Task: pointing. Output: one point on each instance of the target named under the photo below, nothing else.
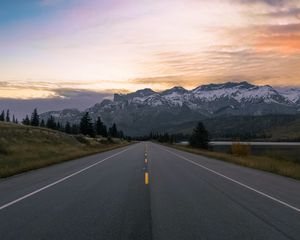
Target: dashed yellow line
(146, 162)
(146, 178)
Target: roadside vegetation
(277, 166)
(239, 154)
(24, 148)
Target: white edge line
(59, 181)
(235, 181)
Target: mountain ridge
(146, 110)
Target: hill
(24, 148)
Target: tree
(2, 116)
(68, 128)
(113, 131)
(104, 131)
(58, 126)
(51, 123)
(7, 116)
(35, 119)
(75, 129)
(42, 124)
(121, 134)
(86, 125)
(199, 137)
(100, 128)
(26, 120)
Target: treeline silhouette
(198, 139)
(5, 117)
(163, 137)
(86, 126)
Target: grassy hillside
(24, 148)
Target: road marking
(59, 181)
(146, 178)
(235, 181)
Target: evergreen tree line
(163, 137)
(5, 117)
(199, 137)
(85, 127)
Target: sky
(49, 48)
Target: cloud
(281, 29)
(281, 13)
(289, 44)
(62, 99)
(268, 2)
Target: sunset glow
(124, 45)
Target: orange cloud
(287, 44)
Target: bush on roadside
(240, 149)
(82, 139)
(3, 150)
(110, 140)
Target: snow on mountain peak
(176, 89)
(235, 91)
(292, 94)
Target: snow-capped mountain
(145, 110)
(292, 94)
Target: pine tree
(7, 116)
(104, 131)
(86, 125)
(100, 128)
(2, 116)
(68, 128)
(199, 137)
(51, 123)
(14, 119)
(42, 124)
(121, 134)
(26, 120)
(74, 129)
(35, 119)
(58, 126)
(113, 131)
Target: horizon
(83, 99)
(52, 46)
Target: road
(149, 191)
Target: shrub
(110, 140)
(3, 150)
(82, 139)
(240, 149)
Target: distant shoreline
(224, 143)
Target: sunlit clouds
(124, 45)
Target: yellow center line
(146, 178)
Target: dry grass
(281, 167)
(24, 148)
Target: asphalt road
(148, 191)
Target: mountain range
(146, 110)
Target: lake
(287, 151)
